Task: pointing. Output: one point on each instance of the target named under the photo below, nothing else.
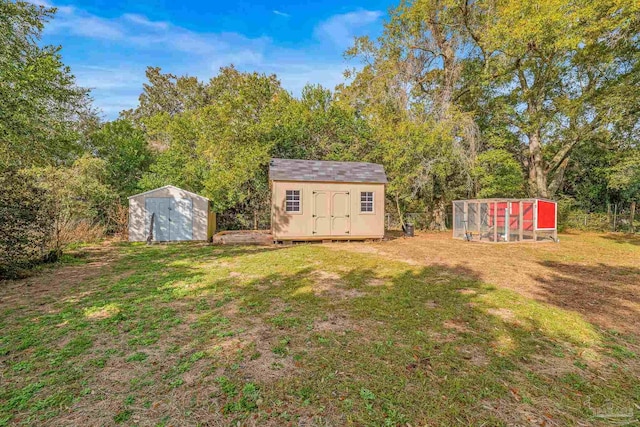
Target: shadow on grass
(630, 239)
(602, 293)
(424, 341)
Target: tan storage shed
(180, 215)
(321, 200)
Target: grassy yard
(408, 332)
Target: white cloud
(112, 104)
(116, 76)
(341, 29)
(71, 20)
(138, 30)
(296, 78)
(283, 14)
(108, 78)
(144, 21)
(43, 3)
(241, 58)
(113, 88)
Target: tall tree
(41, 104)
(126, 153)
(167, 93)
(409, 87)
(554, 67)
(218, 148)
(316, 127)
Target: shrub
(26, 224)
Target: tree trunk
(439, 216)
(555, 180)
(537, 178)
(399, 212)
(632, 215)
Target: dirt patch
(503, 313)
(116, 377)
(423, 364)
(377, 282)
(515, 413)
(243, 237)
(347, 293)
(197, 372)
(475, 355)
(43, 290)
(330, 284)
(264, 365)
(230, 309)
(334, 322)
(442, 338)
(276, 306)
(326, 277)
(431, 304)
(457, 325)
(553, 366)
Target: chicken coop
(505, 220)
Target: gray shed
(180, 215)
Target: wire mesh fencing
(420, 220)
(617, 220)
(243, 221)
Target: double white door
(331, 213)
(173, 219)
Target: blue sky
(108, 44)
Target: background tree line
(456, 98)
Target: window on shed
(366, 201)
(292, 202)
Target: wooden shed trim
(169, 186)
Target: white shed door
(173, 218)
(340, 221)
(321, 211)
(181, 217)
(160, 206)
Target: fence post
(150, 235)
(615, 215)
(495, 222)
(520, 222)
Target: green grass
(300, 333)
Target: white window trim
(373, 203)
(298, 212)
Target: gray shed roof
(316, 170)
(168, 186)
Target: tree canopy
(43, 111)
